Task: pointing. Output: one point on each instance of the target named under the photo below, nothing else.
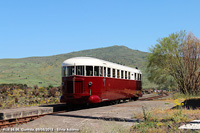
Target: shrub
(52, 92)
(35, 87)
(16, 100)
(14, 96)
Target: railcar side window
(135, 76)
(79, 70)
(89, 70)
(125, 74)
(117, 73)
(104, 72)
(109, 73)
(101, 71)
(129, 75)
(113, 73)
(122, 74)
(138, 76)
(96, 71)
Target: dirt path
(113, 118)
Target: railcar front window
(68, 71)
(64, 71)
(96, 71)
(79, 70)
(89, 70)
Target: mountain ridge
(46, 70)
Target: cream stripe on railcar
(89, 61)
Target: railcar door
(104, 91)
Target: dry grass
(165, 121)
(160, 114)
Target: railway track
(151, 98)
(17, 121)
(12, 122)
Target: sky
(50, 27)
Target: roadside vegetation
(185, 110)
(19, 95)
(173, 63)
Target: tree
(191, 62)
(174, 61)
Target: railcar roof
(90, 61)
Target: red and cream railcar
(91, 80)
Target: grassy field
(45, 71)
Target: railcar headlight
(90, 83)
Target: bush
(14, 96)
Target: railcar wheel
(135, 98)
(114, 102)
(117, 102)
(69, 106)
(130, 99)
(123, 100)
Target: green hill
(45, 71)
